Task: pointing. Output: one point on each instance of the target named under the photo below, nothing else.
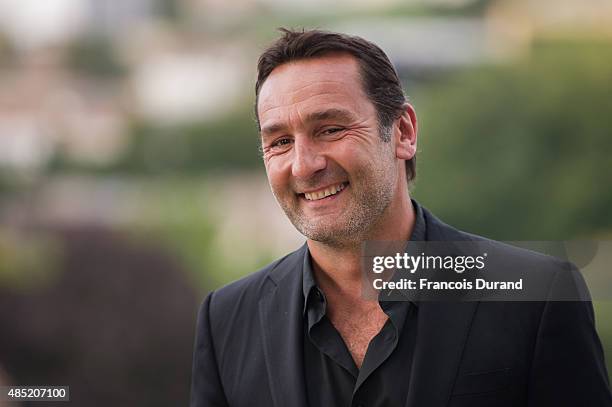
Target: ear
(406, 133)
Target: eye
(331, 130)
(281, 142)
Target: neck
(339, 268)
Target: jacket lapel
(281, 318)
(442, 331)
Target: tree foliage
(522, 151)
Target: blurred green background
(131, 183)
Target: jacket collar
(280, 312)
(442, 331)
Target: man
(339, 143)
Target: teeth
(313, 196)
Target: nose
(307, 158)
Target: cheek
(277, 176)
(352, 155)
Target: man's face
(327, 165)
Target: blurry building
(116, 17)
(547, 17)
(45, 109)
(33, 24)
(188, 85)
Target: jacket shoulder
(243, 295)
(440, 231)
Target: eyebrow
(333, 113)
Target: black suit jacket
(248, 350)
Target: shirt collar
(419, 233)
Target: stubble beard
(371, 193)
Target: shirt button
(319, 295)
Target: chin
(330, 236)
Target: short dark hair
(380, 80)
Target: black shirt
(332, 378)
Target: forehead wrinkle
(334, 113)
(329, 96)
(331, 113)
(294, 78)
(277, 124)
(273, 128)
(324, 83)
(289, 97)
(301, 82)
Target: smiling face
(326, 162)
